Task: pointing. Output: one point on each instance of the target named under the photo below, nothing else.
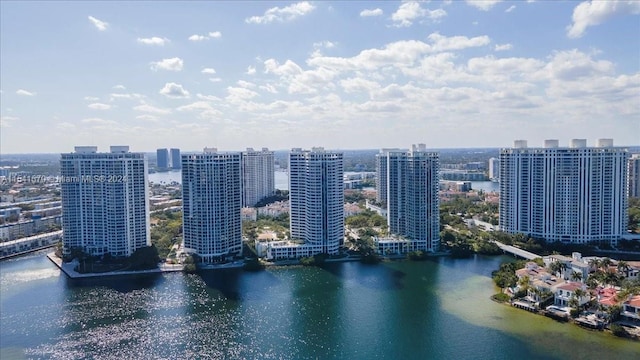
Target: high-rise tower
(257, 175)
(316, 193)
(409, 183)
(212, 201)
(571, 194)
(105, 201)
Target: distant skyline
(343, 75)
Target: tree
(623, 267)
(576, 276)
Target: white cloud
(484, 5)
(204, 108)
(207, 97)
(408, 12)
(251, 70)
(324, 44)
(208, 71)
(153, 41)
(131, 96)
(246, 84)
(444, 43)
(590, 13)
(503, 47)
(172, 64)
(100, 25)
(196, 37)
(98, 121)
(215, 79)
(510, 9)
(174, 91)
(237, 94)
(147, 117)
(151, 109)
(269, 88)
(99, 106)
(287, 13)
(119, 87)
(5, 121)
(65, 126)
(25, 92)
(288, 68)
(211, 35)
(371, 12)
(91, 98)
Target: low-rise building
(631, 308)
(565, 292)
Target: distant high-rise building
(494, 169)
(634, 175)
(257, 175)
(105, 201)
(571, 194)
(316, 193)
(176, 161)
(212, 203)
(162, 159)
(409, 183)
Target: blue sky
(300, 74)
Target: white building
(316, 199)
(572, 194)
(634, 175)
(408, 183)
(212, 203)
(257, 175)
(494, 169)
(105, 201)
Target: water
(281, 178)
(436, 309)
(486, 186)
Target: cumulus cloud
(251, 70)
(484, 5)
(211, 35)
(287, 13)
(371, 12)
(196, 37)
(131, 96)
(208, 71)
(91, 98)
(99, 106)
(100, 25)
(5, 121)
(510, 9)
(590, 13)
(205, 110)
(174, 91)
(158, 41)
(288, 68)
(172, 64)
(147, 117)
(23, 92)
(119, 87)
(503, 47)
(408, 12)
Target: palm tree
(576, 276)
(623, 267)
(611, 278)
(595, 264)
(605, 263)
(579, 293)
(557, 267)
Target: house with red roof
(631, 308)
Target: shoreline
(568, 320)
(68, 269)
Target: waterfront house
(631, 308)
(606, 297)
(566, 291)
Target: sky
(343, 75)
